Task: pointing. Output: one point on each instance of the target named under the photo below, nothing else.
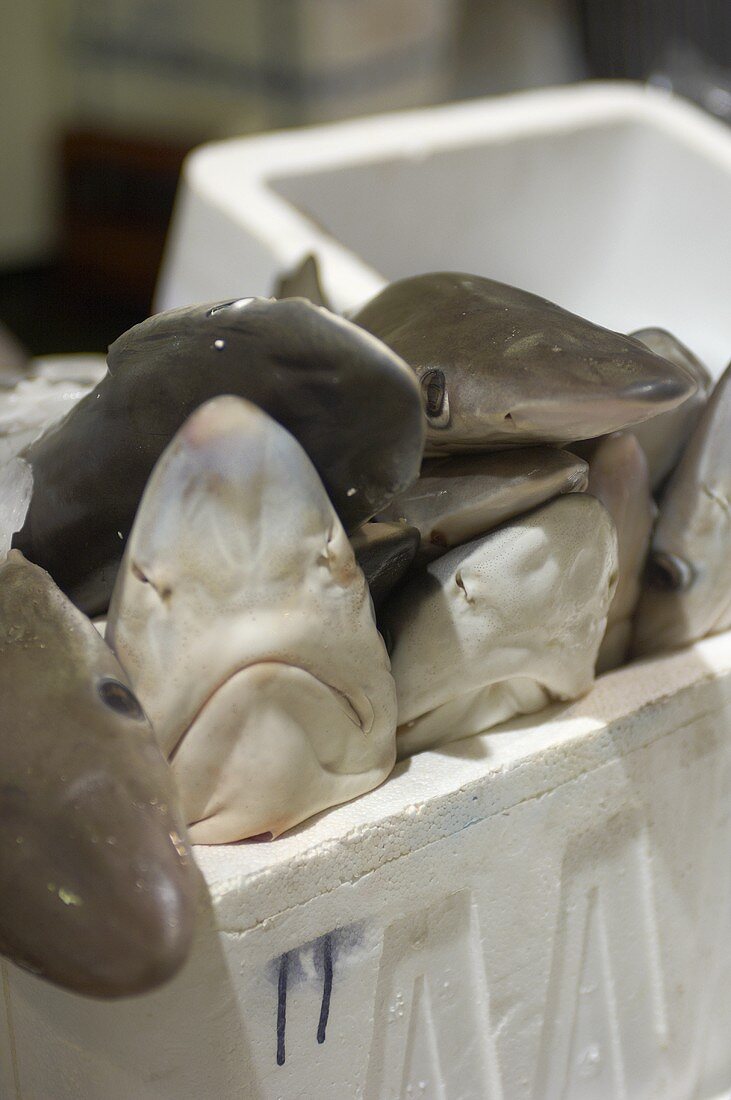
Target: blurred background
(100, 100)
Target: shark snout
(100, 896)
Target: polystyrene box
(541, 912)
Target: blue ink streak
(282, 1007)
(327, 986)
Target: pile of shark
(266, 551)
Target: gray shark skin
(619, 478)
(97, 884)
(303, 282)
(459, 498)
(349, 401)
(384, 551)
(500, 367)
(687, 592)
(664, 437)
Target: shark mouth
(358, 711)
(267, 749)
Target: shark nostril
(137, 572)
(165, 592)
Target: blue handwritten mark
(316, 959)
(327, 986)
(282, 1007)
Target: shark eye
(436, 399)
(669, 573)
(118, 697)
